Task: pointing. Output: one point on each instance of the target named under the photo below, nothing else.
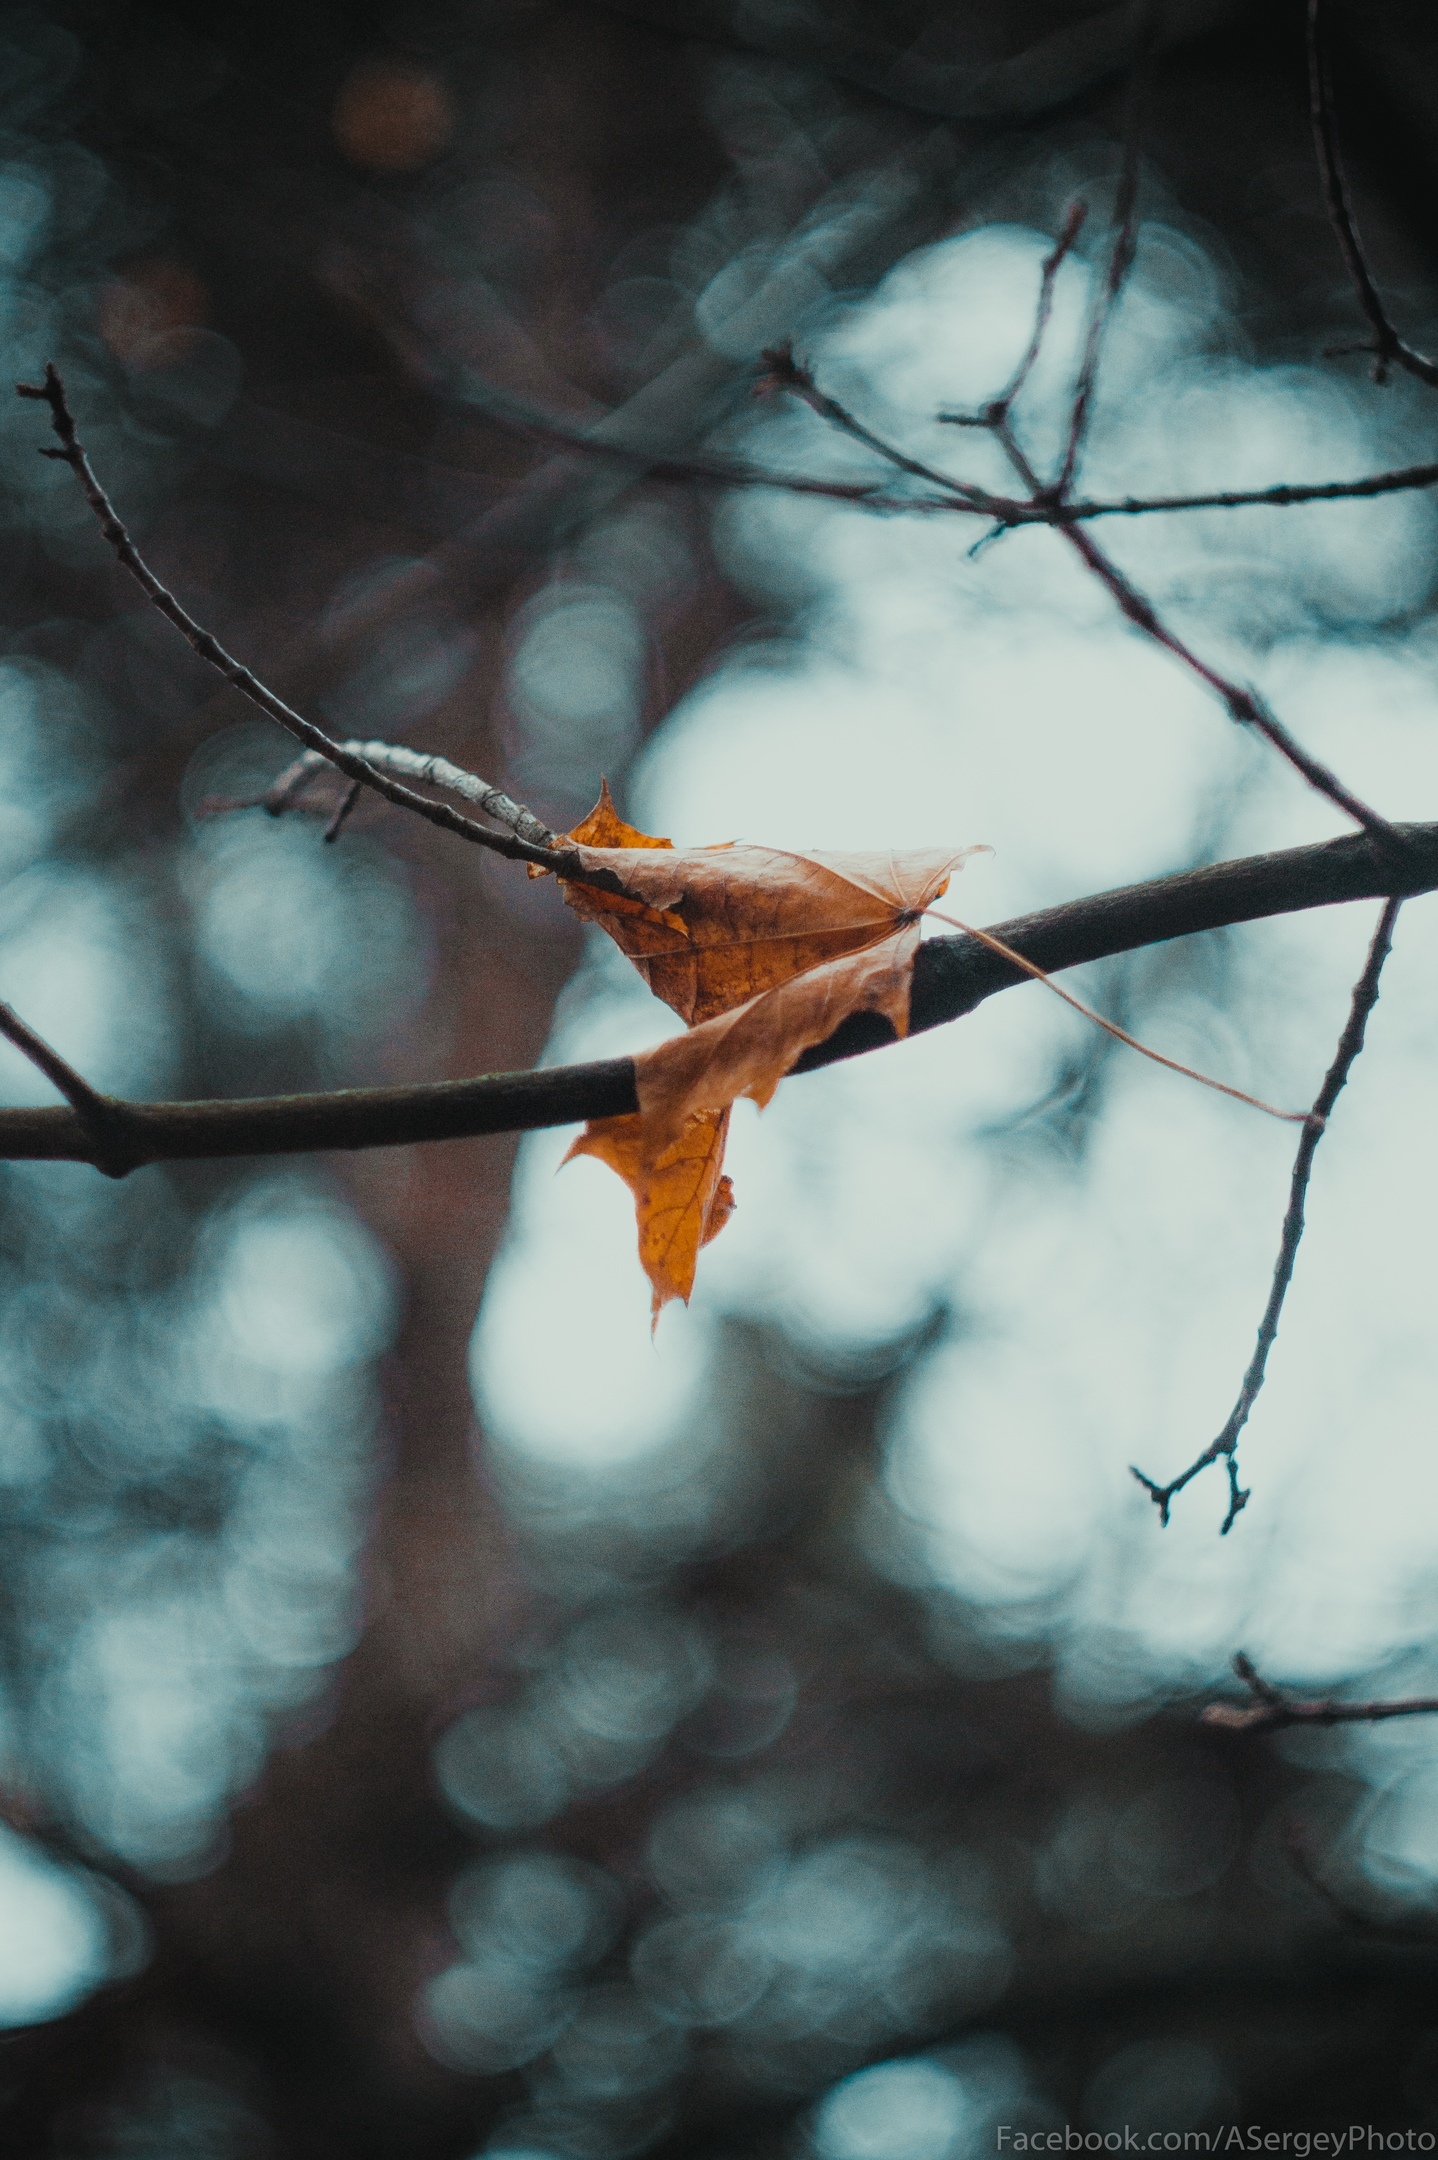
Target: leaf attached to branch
(681, 1196)
(762, 953)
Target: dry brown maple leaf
(762, 952)
(681, 1197)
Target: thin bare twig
(783, 372)
(1243, 704)
(201, 641)
(1110, 1027)
(1125, 228)
(1388, 348)
(1073, 225)
(96, 1112)
(1282, 496)
(1270, 1710)
(1350, 1043)
(344, 810)
(519, 417)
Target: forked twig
(344, 810)
(1270, 1710)
(1350, 1043)
(1062, 248)
(954, 497)
(97, 1113)
(1242, 703)
(783, 372)
(1388, 347)
(209, 648)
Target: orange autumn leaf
(604, 827)
(681, 1197)
(709, 928)
(762, 952)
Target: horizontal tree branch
(1270, 1710)
(956, 497)
(951, 977)
(1401, 480)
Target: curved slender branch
(1062, 248)
(1242, 704)
(1110, 1027)
(1121, 258)
(1350, 1043)
(951, 977)
(783, 372)
(209, 648)
(1388, 348)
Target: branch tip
(1386, 345)
(1315, 1123)
(1270, 1709)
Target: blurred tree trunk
(301, 1954)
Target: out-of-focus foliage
(781, 1740)
(187, 1361)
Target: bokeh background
(435, 1720)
